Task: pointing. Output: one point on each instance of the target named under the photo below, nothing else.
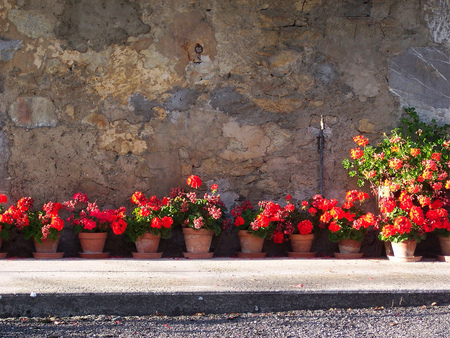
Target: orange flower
(395, 163)
(414, 152)
(361, 141)
(370, 174)
(416, 215)
(424, 200)
(427, 175)
(138, 198)
(356, 153)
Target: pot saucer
(46, 255)
(3, 255)
(405, 259)
(147, 255)
(301, 254)
(357, 255)
(202, 255)
(251, 255)
(94, 255)
(443, 258)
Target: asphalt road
(431, 321)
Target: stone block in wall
(8, 47)
(438, 19)
(420, 77)
(33, 23)
(31, 112)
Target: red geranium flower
(194, 181)
(239, 221)
(305, 227)
(156, 223)
(167, 221)
(334, 226)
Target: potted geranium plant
(92, 224)
(407, 219)
(45, 228)
(6, 224)
(302, 224)
(440, 219)
(15, 216)
(405, 169)
(269, 221)
(347, 224)
(150, 222)
(251, 236)
(200, 218)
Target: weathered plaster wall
(109, 97)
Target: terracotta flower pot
(301, 243)
(349, 246)
(47, 245)
(445, 245)
(349, 249)
(404, 249)
(198, 243)
(147, 243)
(92, 243)
(250, 243)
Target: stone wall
(110, 97)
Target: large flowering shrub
(92, 219)
(415, 158)
(412, 165)
(151, 215)
(45, 224)
(188, 210)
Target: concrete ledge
(188, 303)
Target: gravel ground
(433, 321)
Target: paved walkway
(76, 286)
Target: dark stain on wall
(97, 24)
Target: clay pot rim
(190, 230)
(92, 234)
(301, 236)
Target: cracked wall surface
(110, 97)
